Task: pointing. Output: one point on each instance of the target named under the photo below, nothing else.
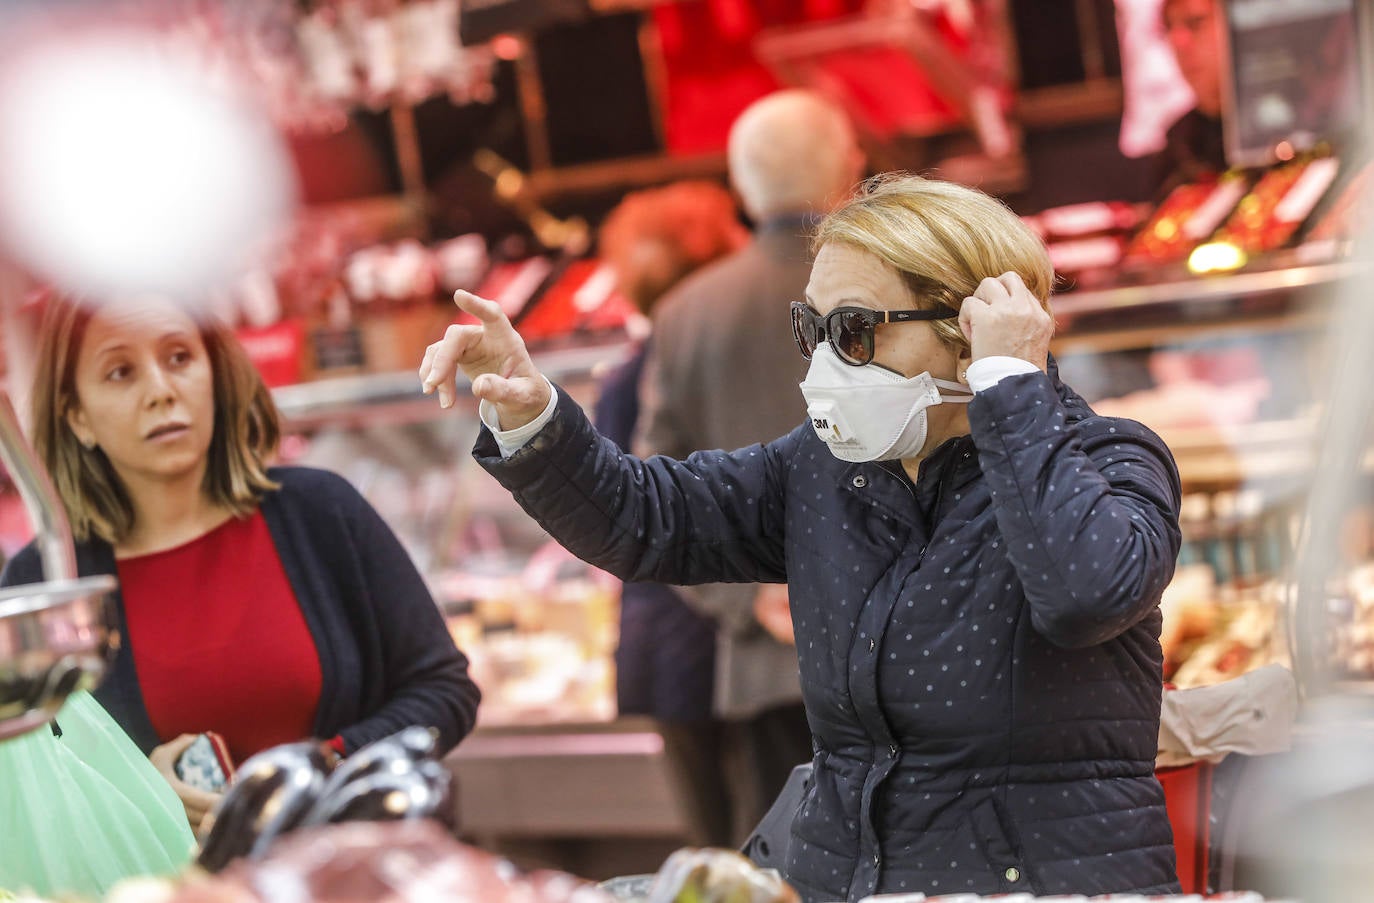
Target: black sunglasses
(849, 330)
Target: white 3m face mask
(869, 413)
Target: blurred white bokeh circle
(125, 168)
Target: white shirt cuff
(511, 441)
(989, 371)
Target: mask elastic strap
(965, 393)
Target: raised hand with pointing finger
(492, 355)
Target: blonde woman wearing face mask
(267, 605)
(974, 558)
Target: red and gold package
(1266, 218)
(584, 299)
(1188, 216)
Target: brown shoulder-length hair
(246, 433)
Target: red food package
(1266, 218)
(1188, 216)
(512, 284)
(583, 299)
(276, 351)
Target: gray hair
(793, 152)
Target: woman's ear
(77, 423)
(965, 358)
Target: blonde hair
(692, 222)
(943, 239)
(246, 429)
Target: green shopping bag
(82, 811)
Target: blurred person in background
(975, 559)
(1194, 146)
(1193, 149)
(268, 605)
(723, 373)
(665, 662)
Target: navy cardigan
(386, 658)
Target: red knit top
(219, 640)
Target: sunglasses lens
(804, 329)
(852, 336)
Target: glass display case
(538, 625)
(1233, 372)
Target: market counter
(592, 798)
(566, 780)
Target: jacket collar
(789, 223)
(952, 466)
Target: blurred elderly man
(723, 373)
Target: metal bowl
(55, 638)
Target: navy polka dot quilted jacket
(979, 650)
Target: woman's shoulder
(801, 438)
(27, 564)
(309, 479)
(24, 567)
(1109, 428)
(1093, 426)
(313, 489)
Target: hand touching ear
(1003, 318)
